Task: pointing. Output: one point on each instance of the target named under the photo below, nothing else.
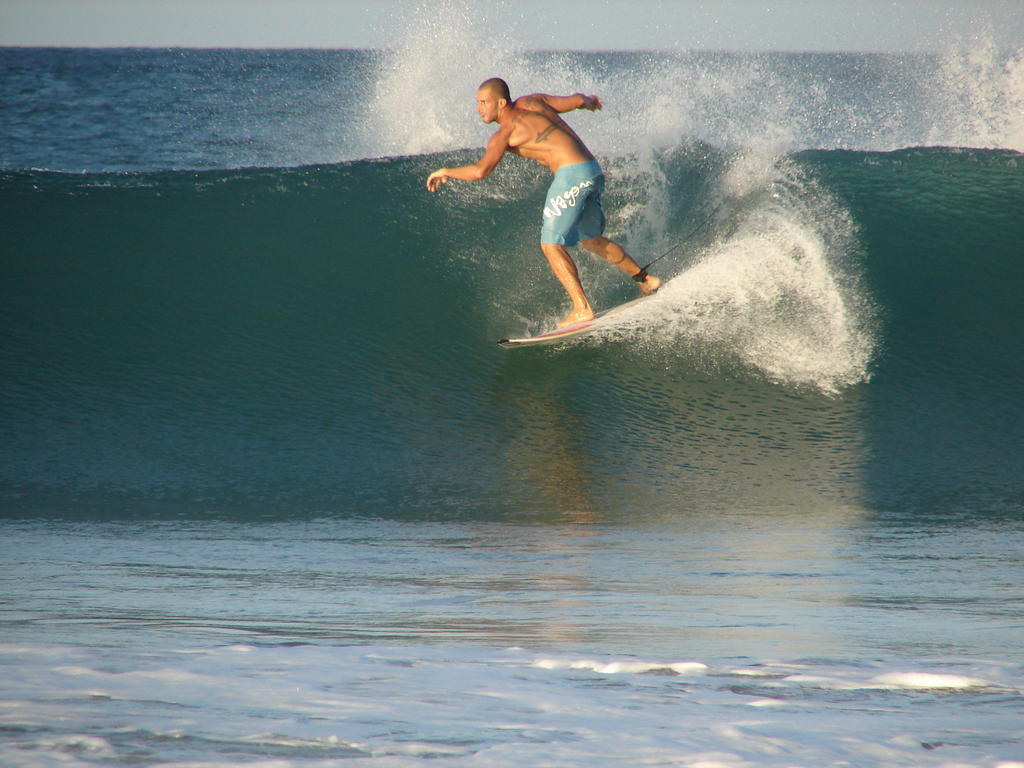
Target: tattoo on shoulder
(545, 133)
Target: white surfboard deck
(601, 319)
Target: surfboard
(600, 320)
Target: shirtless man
(531, 127)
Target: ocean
(270, 494)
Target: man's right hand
(436, 179)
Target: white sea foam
(910, 681)
(929, 681)
(307, 706)
(625, 667)
(766, 703)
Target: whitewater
(270, 494)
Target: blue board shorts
(572, 210)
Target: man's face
(487, 105)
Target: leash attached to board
(642, 274)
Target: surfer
(531, 127)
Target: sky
(793, 25)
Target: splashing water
(970, 95)
(777, 295)
(980, 94)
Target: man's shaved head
(497, 88)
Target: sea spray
(969, 93)
(777, 294)
(978, 95)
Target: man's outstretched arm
(474, 171)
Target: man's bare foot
(577, 316)
(650, 285)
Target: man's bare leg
(614, 253)
(565, 270)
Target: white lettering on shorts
(559, 203)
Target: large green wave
(835, 327)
